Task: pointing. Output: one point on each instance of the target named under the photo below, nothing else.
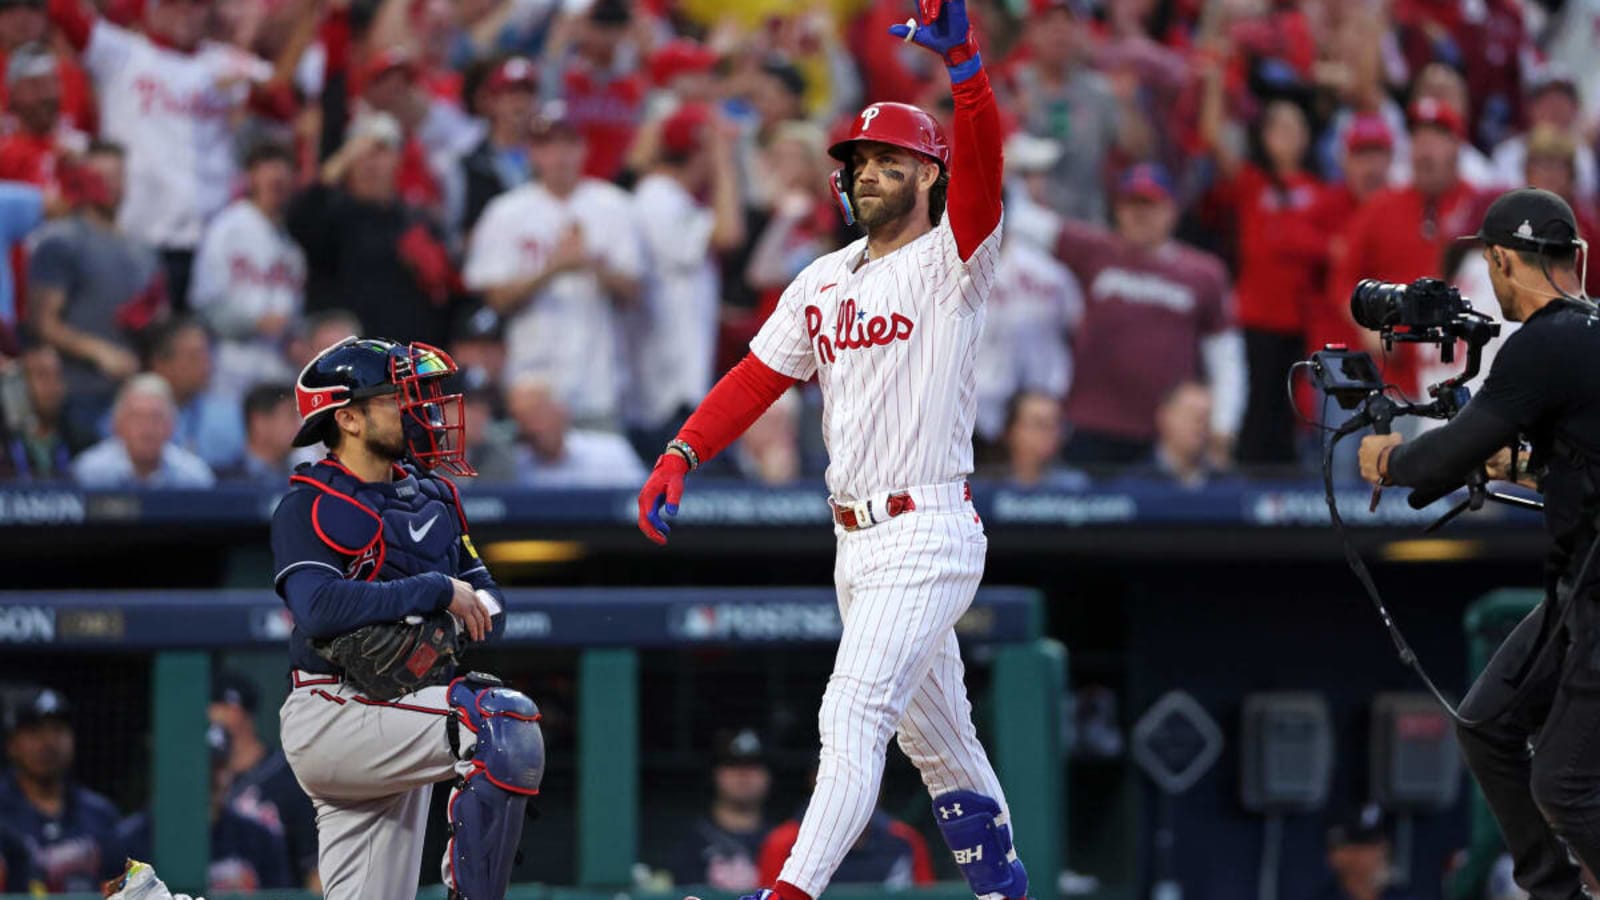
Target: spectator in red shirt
(1401, 234)
(1368, 151)
(604, 98)
(23, 23)
(1281, 258)
(389, 85)
(1156, 314)
(42, 137)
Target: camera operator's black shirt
(1545, 383)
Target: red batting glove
(658, 500)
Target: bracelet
(1383, 465)
(682, 448)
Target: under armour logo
(868, 114)
(1525, 229)
(953, 809)
(963, 857)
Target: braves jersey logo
(363, 567)
(853, 330)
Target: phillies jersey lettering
(852, 330)
(893, 343)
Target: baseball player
(374, 561)
(890, 326)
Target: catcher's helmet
(358, 368)
(897, 124)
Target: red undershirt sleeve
(69, 16)
(734, 403)
(976, 164)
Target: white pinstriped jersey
(894, 345)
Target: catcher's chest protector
(388, 530)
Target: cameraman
(1542, 689)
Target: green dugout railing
(1487, 622)
(611, 628)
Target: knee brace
(496, 732)
(970, 823)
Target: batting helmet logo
(899, 125)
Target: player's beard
(390, 447)
(887, 205)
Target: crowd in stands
(593, 204)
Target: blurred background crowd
(593, 204)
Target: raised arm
(976, 162)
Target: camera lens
(1375, 304)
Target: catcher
(373, 559)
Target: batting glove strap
(964, 62)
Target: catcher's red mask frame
(434, 422)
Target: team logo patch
(867, 115)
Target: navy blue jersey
(75, 851)
(269, 795)
(351, 553)
(246, 856)
(19, 873)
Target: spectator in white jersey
(557, 455)
(249, 276)
(90, 290)
(1036, 305)
(171, 98)
(556, 258)
(208, 424)
(140, 452)
(672, 335)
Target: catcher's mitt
(389, 659)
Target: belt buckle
(860, 511)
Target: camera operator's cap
(1147, 181)
(738, 748)
(1431, 112)
(1528, 219)
(1368, 131)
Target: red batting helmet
(899, 124)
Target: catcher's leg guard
(970, 823)
(502, 749)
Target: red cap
(680, 57)
(1148, 181)
(1368, 132)
(386, 61)
(684, 131)
(1435, 113)
(516, 72)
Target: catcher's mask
(433, 421)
